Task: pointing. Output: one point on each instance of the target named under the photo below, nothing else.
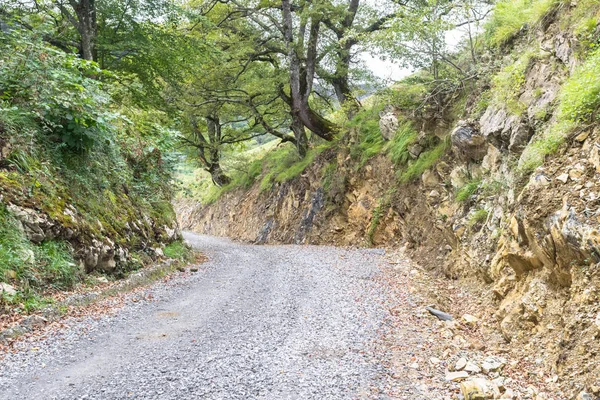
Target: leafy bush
(178, 251)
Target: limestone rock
(457, 376)
(430, 178)
(492, 364)
(388, 123)
(460, 364)
(491, 160)
(479, 389)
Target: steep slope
(500, 192)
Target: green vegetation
(370, 142)
(507, 84)
(510, 16)
(426, 160)
(580, 94)
(479, 216)
(177, 250)
(383, 206)
(468, 190)
(397, 147)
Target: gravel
(256, 322)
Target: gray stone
(6, 289)
(388, 123)
(467, 143)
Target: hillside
(490, 180)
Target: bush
(178, 251)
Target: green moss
(426, 160)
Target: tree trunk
(300, 135)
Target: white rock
(457, 376)
(7, 289)
(472, 367)
(460, 364)
(563, 178)
(470, 319)
(492, 364)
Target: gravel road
(257, 322)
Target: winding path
(257, 322)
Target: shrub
(477, 217)
(178, 251)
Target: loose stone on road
(257, 322)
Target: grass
(579, 103)
(178, 251)
(382, 206)
(510, 16)
(479, 216)
(507, 84)
(426, 160)
(397, 148)
(580, 94)
(370, 142)
(468, 190)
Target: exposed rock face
(388, 123)
(467, 143)
(503, 130)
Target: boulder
(388, 122)
(479, 389)
(503, 130)
(467, 143)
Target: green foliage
(426, 160)
(464, 193)
(370, 142)
(477, 217)
(397, 147)
(32, 268)
(535, 153)
(55, 90)
(178, 251)
(510, 16)
(507, 84)
(580, 94)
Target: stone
(479, 389)
(6, 289)
(576, 173)
(472, 368)
(388, 122)
(491, 160)
(415, 150)
(563, 178)
(34, 321)
(458, 177)
(582, 136)
(492, 364)
(467, 143)
(457, 376)
(583, 396)
(435, 360)
(460, 364)
(430, 178)
(470, 319)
